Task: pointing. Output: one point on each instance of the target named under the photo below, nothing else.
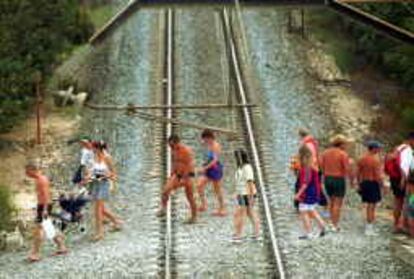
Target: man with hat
(370, 181)
(335, 168)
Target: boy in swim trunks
(181, 176)
(44, 208)
(369, 176)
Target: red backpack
(392, 162)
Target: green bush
(408, 117)
(7, 209)
(33, 37)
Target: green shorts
(335, 186)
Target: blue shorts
(100, 190)
(215, 173)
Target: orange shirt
(335, 162)
(183, 162)
(369, 168)
(43, 190)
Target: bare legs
(173, 183)
(307, 216)
(99, 226)
(202, 182)
(335, 205)
(371, 213)
(254, 220)
(398, 206)
(100, 213)
(116, 221)
(218, 191)
(37, 243)
(239, 216)
(307, 226)
(188, 186)
(38, 240)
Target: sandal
(190, 221)
(236, 239)
(116, 228)
(60, 252)
(97, 237)
(219, 213)
(32, 259)
(202, 208)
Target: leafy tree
(32, 36)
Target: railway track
(172, 239)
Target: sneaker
(236, 240)
(335, 229)
(191, 220)
(325, 214)
(322, 233)
(255, 237)
(161, 213)
(304, 237)
(369, 230)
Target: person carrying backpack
(397, 166)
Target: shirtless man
(181, 176)
(44, 208)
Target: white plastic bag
(48, 228)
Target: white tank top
(99, 169)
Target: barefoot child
(44, 208)
(308, 194)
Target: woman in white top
(245, 194)
(100, 173)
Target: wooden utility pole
(302, 17)
(38, 80)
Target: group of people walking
(96, 172)
(322, 178)
(183, 172)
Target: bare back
(183, 160)
(43, 190)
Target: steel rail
(168, 132)
(253, 144)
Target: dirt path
(19, 147)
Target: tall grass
(7, 208)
